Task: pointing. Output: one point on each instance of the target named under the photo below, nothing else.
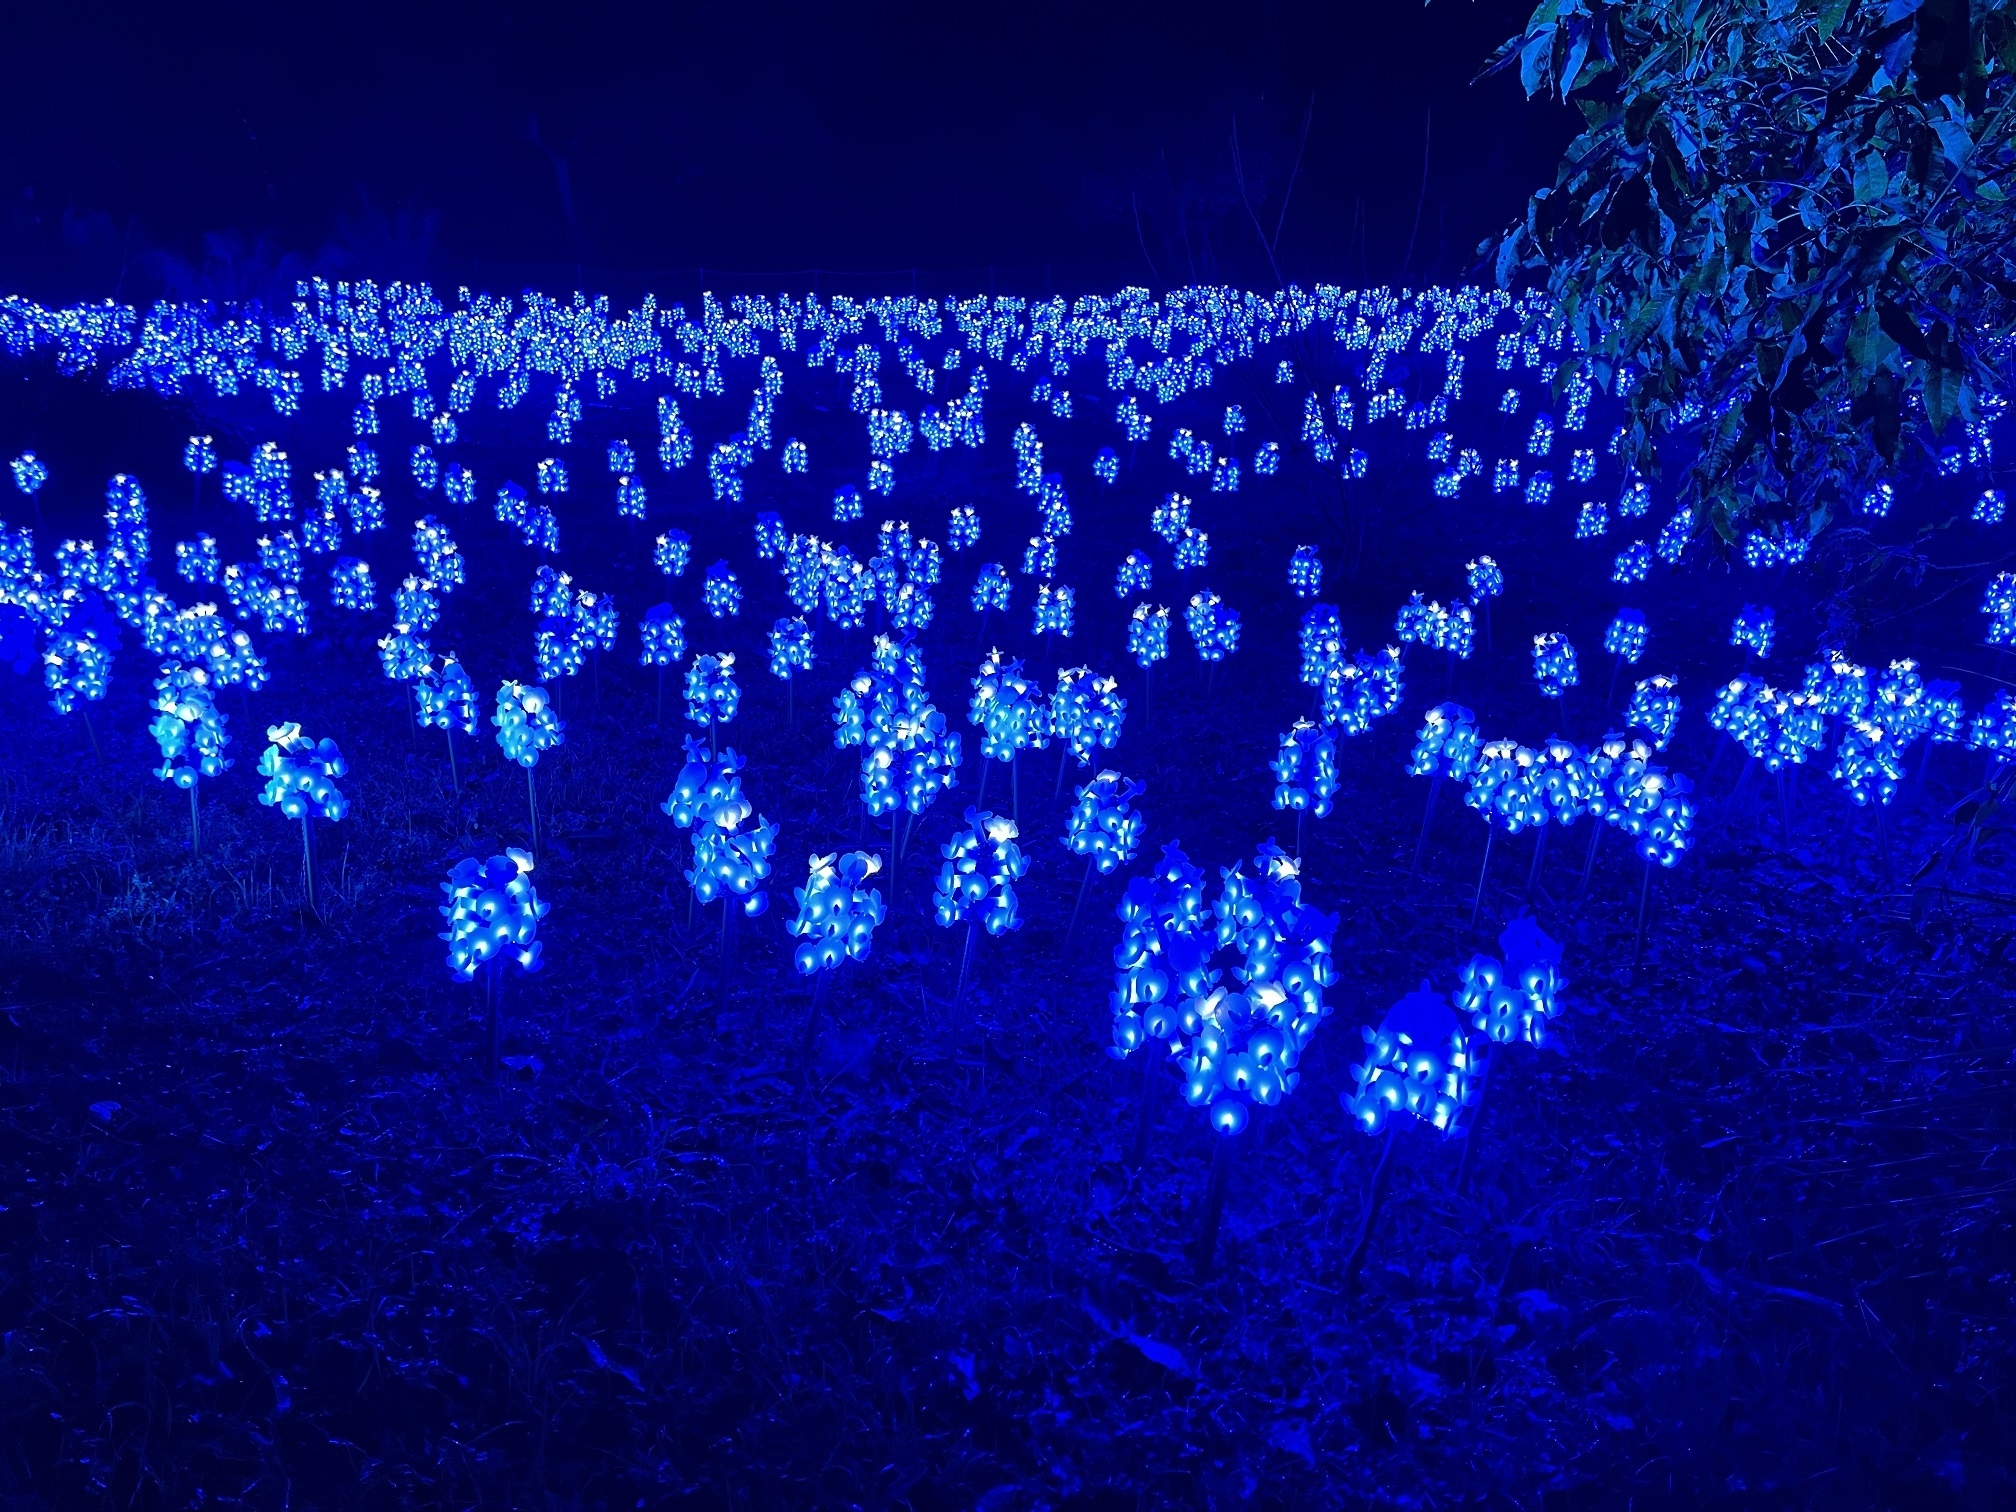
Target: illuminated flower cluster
(1361, 689)
(1999, 604)
(1429, 624)
(1625, 636)
(1006, 710)
(720, 592)
(1148, 635)
(661, 637)
(1306, 769)
(1654, 707)
(75, 666)
(712, 695)
(446, 700)
(197, 561)
(1553, 664)
(1778, 729)
(1104, 824)
(493, 913)
(963, 528)
(1235, 1043)
(1517, 997)
(671, 553)
(1055, 606)
(1446, 744)
(188, 727)
(991, 588)
(350, 585)
(1086, 712)
(1754, 628)
(1136, 575)
(977, 882)
(526, 725)
(708, 789)
(1994, 729)
(837, 916)
(300, 775)
(790, 647)
(1320, 639)
(404, 656)
(1213, 627)
(1416, 1062)
(1486, 579)
(730, 861)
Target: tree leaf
(1872, 178)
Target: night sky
(1040, 147)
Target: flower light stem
(1644, 896)
(1490, 834)
(1072, 928)
(532, 806)
(1203, 1257)
(1375, 1200)
(1486, 1065)
(195, 825)
(493, 1010)
(1589, 861)
(811, 1032)
(1427, 818)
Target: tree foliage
(1790, 220)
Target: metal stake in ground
(493, 1007)
(1490, 834)
(1373, 1202)
(1427, 818)
(1644, 895)
(1072, 928)
(1204, 1254)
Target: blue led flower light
(190, 731)
(1305, 771)
(1086, 713)
(301, 782)
(732, 862)
(708, 790)
(671, 553)
(1239, 1041)
(1166, 937)
(76, 668)
(720, 592)
(1103, 825)
(837, 916)
(1446, 744)
(1417, 1062)
(1361, 689)
(991, 588)
(712, 694)
(1553, 664)
(1148, 635)
(493, 914)
(1994, 729)
(1213, 627)
(1754, 628)
(963, 529)
(976, 885)
(1305, 572)
(1517, 998)
(1626, 635)
(1654, 708)
(790, 650)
